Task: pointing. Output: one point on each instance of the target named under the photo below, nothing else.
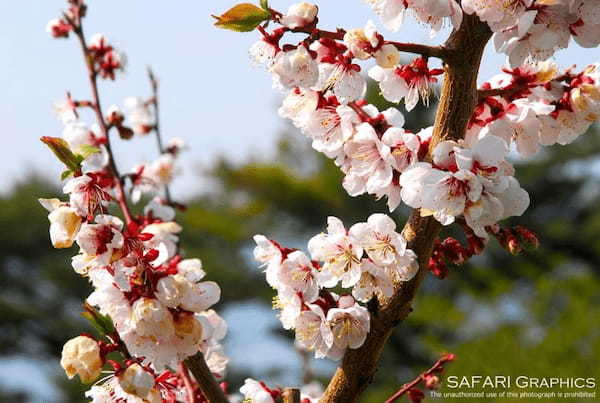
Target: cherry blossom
(407, 82)
(314, 333)
(82, 356)
(139, 115)
(349, 324)
(375, 280)
(379, 239)
(258, 392)
(300, 15)
(340, 252)
(64, 222)
(295, 68)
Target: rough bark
(457, 101)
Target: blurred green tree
(535, 314)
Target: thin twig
(408, 386)
(507, 91)
(359, 111)
(97, 107)
(155, 103)
(439, 52)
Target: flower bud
(135, 380)
(114, 116)
(64, 222)
(58, 28)
(387, 57)
(362, 42)
(454, 251)
(476, 244)
(529, 239)
(416, 395)
(513, 245)
(81, 356)
(437, 267)
(432, 381)
(300, 15)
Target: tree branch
(423, 50)
(457, 102)
(500, 92)
(207, 382)
(159, 143)
(97, 107)
(408, 386)
(428, 51)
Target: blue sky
(211, 96)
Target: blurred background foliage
(536, 314)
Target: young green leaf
(61, 149)
(242, 18)
(102, 323)
(67, 173)
(87, 150)
(264, 4)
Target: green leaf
(242, 18)
(86, 150)
(61, 149)
(66, 174)
(264, 4)
(102, 323)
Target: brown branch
(155, 103)
(291, 395)
(359, 111)
(424, 50)
(97, 107)
(457, 102)
(408, 386)
(207, 382)
(500, 92)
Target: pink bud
(513, 244)
(529, 239)
(58, 28)
(432, 381)
(416, 395)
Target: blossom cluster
(149, 178)
(369, 258)
(523, 29)
(472, 180)
(536, 29)
(540, 106)
(431, 12)
(151, 305)
(156, 300)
